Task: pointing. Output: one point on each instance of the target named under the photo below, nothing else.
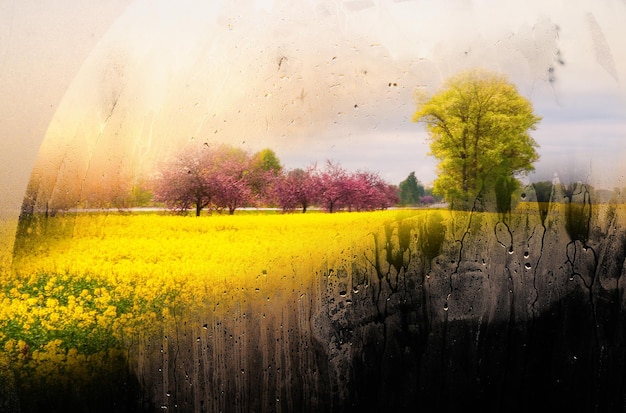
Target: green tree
(141, 195)
(266, 160)
(265, 168)
(411, 191)
(479, 131)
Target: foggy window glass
(321, 206)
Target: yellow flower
(125, 276)
(52, 302)
(54, 317)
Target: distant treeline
(225, 178)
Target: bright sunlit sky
(127, 82)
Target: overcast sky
(127, 82)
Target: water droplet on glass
(355, 289)
(526, 254)
(445, 306)
(511, 250)
(343, 293)
(527, 266)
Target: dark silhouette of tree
(504, 187)
(411, 191)
(543, 191)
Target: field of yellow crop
(82, 286)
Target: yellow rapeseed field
(92, 282)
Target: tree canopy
(479, 131)
(226, 177)
(202, 177)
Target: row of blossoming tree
(226, 178)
